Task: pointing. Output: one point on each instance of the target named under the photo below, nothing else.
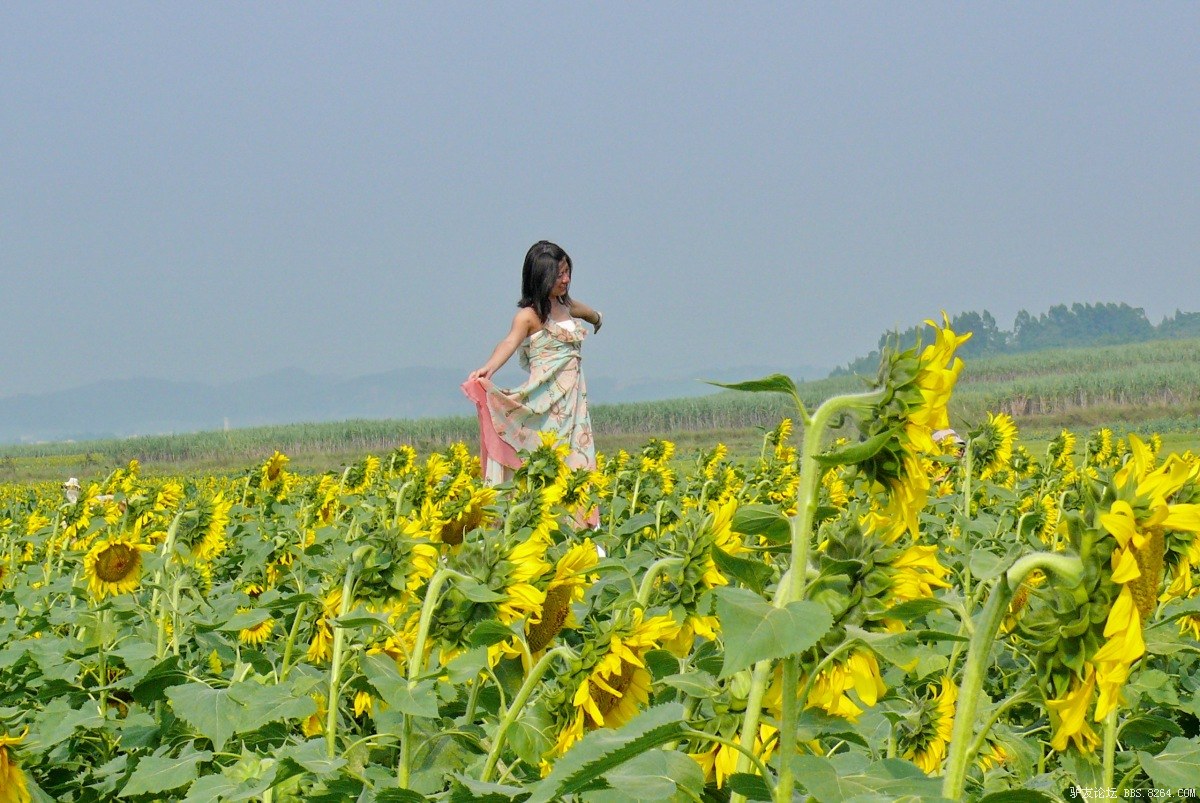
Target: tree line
(1059, 327)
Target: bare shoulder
(526, 321)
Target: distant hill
(148, 406)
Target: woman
(554, 397)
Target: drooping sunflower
(402, 462)
(320, 648)
(507, 566)
(204, 532)
(859, 672)
(257, 634)
(464, 512)
(915, 573)
(615, 684)
(992, 445)
(359, 475)
(1068, 715)
(1138, 520)
(568, 585)
(916, 391)
(113, 565)
(925, 737)
(272, 475)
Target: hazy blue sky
(212, 191)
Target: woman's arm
(525, 323)
(581, 310)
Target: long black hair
(539, 276)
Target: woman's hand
(481, 373)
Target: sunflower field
(884, 611)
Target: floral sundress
(554, 398)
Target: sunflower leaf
(775, 383)
(1175, 766)
(856, 452)
(162, 773)
(212, 712)
(765, 520)
(266, 704)
(753, 573)
(657, 775)
(754, 630)
(603, 750)
(418, 701)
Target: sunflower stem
(1110, 747)
(793, 585)
(286, 664)
(335, 664)
(965, 514)
(1016, 697)
(656, 568)
(959, 755)
(101, 627)
(416, 663)
(527, 688)
(156, 601)
(787, 725)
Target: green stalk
(531, 681)
(416, 664)
(793, 585)
(335, 667)
(958, 756)
(787, 725)
(1110, 747)
(286, 664)
(101, 627)
(965, 514)
(156, 602)
(994, 717)
(656, 568)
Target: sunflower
(917, 389)
(720, 531)
(616, 685)
(114, 565)
(1061, 451)
(858, 673)
(1100, 450)
(567, 586)
(992, 445)
(402, 462)
(778, 441)
(915, 573)
(546, 464)
(1137, 521)
(314, 723)
(720, 760)
(464, 513)
(925, 738)
(272, 477)
(13, 787)
(360, 474)
(256, 634)
(993, 754)
(204, 534)
(320, 649)
(506, 566)
(1068, 715)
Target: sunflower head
(926, 732)
(113, 565)
(992, 444)
(360, 474)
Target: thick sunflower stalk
(898, 419)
